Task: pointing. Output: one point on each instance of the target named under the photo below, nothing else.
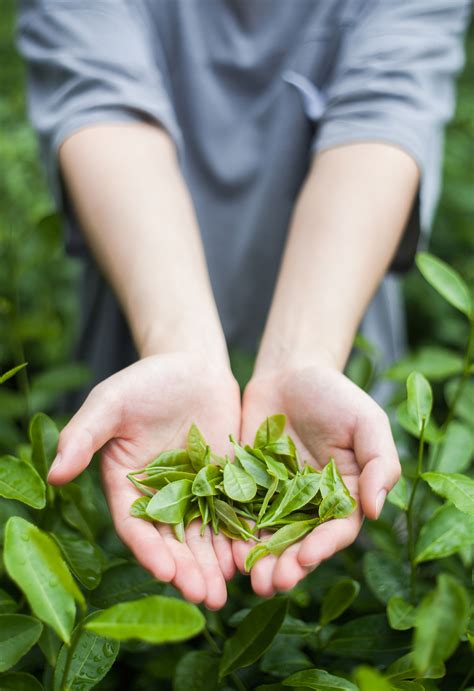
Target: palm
(327, 416)
(149, 407)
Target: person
(237, 173)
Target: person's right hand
(134, 415)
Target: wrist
(277, 356)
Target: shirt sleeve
(394, 82)
(88, 61)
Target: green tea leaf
(169, 504)
(92, 658)
(18, 633)
(457, 449)
(122, 583)
(253, 635)
(446, 532)
(172, 458)
(270, 431)
(404, 668)
(369, 679)
(255, 554)
(459, 489)
(20, 481)
(336, 505)
(238, 484)
(275, 468)
(196, 448)
(399, 495)
(433, 434)
(206, 481)
(164, 478)
(400, 614)
(441, 620)
(419, 399)
(377, 638)
(284, 657)
(19, 681)
(433, 362)
(44, 437)
(318, 679)
(7, 603)
(237, 526)
(337, 599)
(34, 562)
(154, 619)
(11, 372)
(198, 670)
(464, 403)
(83, 557)
(279, 541)
(446, 281)
(331, 480)
(138, 508)
(297, 493)
(254, 467)
(386, 576)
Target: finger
(288, 571)
(203, 549)
(261, 576)
(95, 423)
(188, 578)
(223, 551)
(141, 538)
(377, 455)
(329, 538)
(240, 549)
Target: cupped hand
(134, 415)
(327, 416)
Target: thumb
(377, 456)
(94, 424)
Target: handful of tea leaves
(267, 486)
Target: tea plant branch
(70, 653)
(215, 648)
(410, 517)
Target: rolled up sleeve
(88, 62)
(394, 82)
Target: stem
(410, 517)
(215, 648)
(70, 653)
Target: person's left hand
(327, 415)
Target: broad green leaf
(163, 478)
(400, 614)
(123, 583)
(275, 468)
(255, 554)
(337, 599)
(441, 620)
(7, 603)
(386, 576)
(284, 657)
(83, 557)
(279, 541)
(331, 480)
(9, 508)
(419, 399)
(34, 562)
(270, 431)
(318, 679)
(399, 495)
(171, 458)
(433, 434)
(446, 532)
(169, 504)
(370, 679)
(19, 681)
(365, 637)
(206, 480)
(297, 493)
(11, 372)
(284, 446)
(254, 467)
(18, 633)
(459, 489)
(79, 509)
(92, 658)
(404, 668)
(446, 281)
(138, 509)
(433, 362)
(336, 505)
(235, 525)
(238, 484)
(154, 619)
(196, 448)
(50, 645)
(44, 437)
(197, 670)
(457, 449)
(253, 636)
(464, 402)
(20, 481)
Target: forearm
(137, 216)
(345, 230)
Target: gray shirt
(249, 90)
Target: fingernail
(379, 502)
(55, 463)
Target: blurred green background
(37, 297)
